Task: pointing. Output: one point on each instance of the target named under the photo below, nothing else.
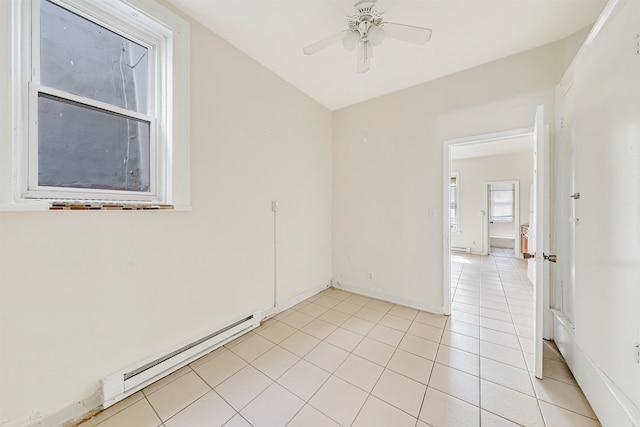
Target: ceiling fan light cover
(350, 41)
(375, 35)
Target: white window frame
(165, 34)
(455, 175)
(492, 204)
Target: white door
(541, 231)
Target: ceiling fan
(366, 28)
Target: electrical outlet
(637, 354)
(370, 276)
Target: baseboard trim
(610, 404)
(386, 297)
(282, 306)
(69, 415)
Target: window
(454, 219)
(103, 90)
(501, 202)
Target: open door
(540, 232)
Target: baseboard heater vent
(124, 383)
(460, 249)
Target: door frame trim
(446, 168)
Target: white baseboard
(282, 306)
(360, 290)
(69, 415)
(610, 404)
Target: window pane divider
(91, 103)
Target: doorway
(476, 163)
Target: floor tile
(488, 419)
(277, 332)
(386, 335)
(497, 325)
(209, 356)
(304, 379)
(237, 421)
(419, 346)
(252, 347)
(461, 342)
(323, 301)
(506, 375)
(177, 395)
(275, 362)
(431, 319)
(327, 356)
(377, 413)
(502, 338)
(209, 410)
(512, 405)
(558, 371)
(561, 394)
(311, 417)
(344, 339)
(347, 308)
(360, 300)
(463, 328)
(319, 328)
(502, 354)
(410, 365)
(220, 368)
(425, 331)
(402, 311)
(400, 391)
(300, 343)
(555, 416)
(339, 400)
(297, 320)
(395, 322)
(315, 310)
(374, 351)
(357, 325)
(456, 383)
(113, 410)
(459, 359)
(359, 372)
(263, 411)
(334, 317)
(441, 410)
(139, 414)
(243, 387)
(369, 314)
(379, 305)
(166, 380)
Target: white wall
(605, 124)
(86, 293)
(473, 175)
(385, 189)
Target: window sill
(39, 206)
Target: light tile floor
(340, 359)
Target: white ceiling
(493, 148)
(466, 33)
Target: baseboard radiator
(124, 383)
(460, 249)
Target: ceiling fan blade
(407, 33)
(365, 52)
(384, 5)
(326, 42)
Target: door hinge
(561, 122)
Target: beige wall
(474, 173)
(83, 294)
(387, 192)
